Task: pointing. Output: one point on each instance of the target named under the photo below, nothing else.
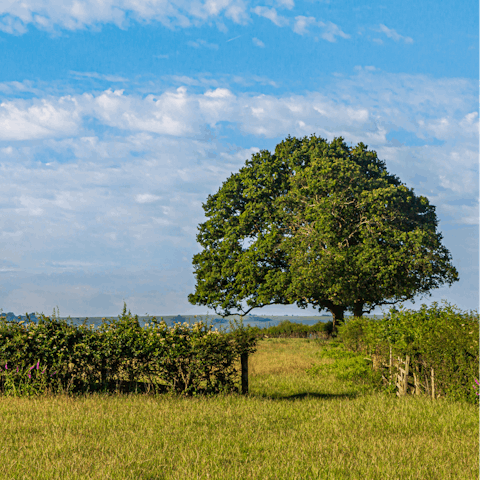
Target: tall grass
(292, 425)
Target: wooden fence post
(433, 385)
(390, 366)
(244, 362)
(402, 378)
(416, 368)
(407, 371)
(416, 380)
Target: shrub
(443, 338)
(190, 359)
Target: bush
(443, 338)
(186, 359)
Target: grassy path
(292, 426)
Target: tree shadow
(299, 396)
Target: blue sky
(118, 119)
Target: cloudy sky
(119, 117)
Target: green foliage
(188, 359)
(317, 223)
(243, 336)
(295, 330)
(25, 381)
(363, 334)
(347, 366)
(443, 338)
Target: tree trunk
(358, 309)
(337, 312)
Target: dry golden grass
(283, 357)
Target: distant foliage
(295, 330)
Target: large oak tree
(317, 223)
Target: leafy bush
(187, 359)
(443, 338)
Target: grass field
(291, 426)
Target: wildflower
(475, 386)
(38, 363)
(6, 368)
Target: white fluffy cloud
(363, 108)
(329, 30)
(391, 33)
(302, 23)
(146, 198)
(258, 42)
(176, 113)
(203, 44)
(53, 15)
(23, 120)
(272, 15)
(286, 3)
(76, 14)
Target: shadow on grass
(300, 396)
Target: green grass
(293, 425)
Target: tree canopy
(317, 223)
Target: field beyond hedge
(294, 424)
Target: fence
(409, 378)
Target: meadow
(292, 425)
